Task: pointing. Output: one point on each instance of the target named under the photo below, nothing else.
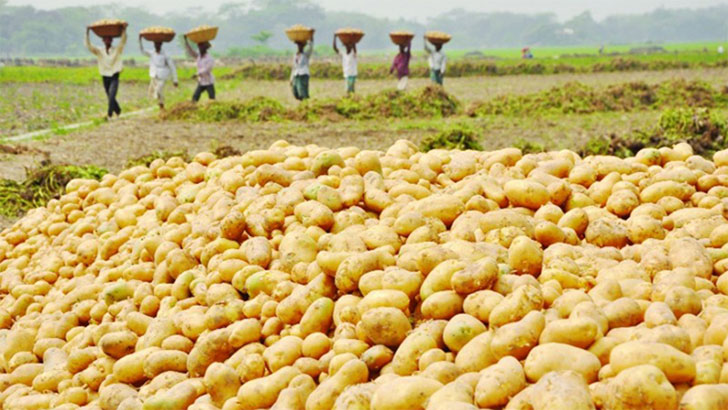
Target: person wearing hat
(301, 72)
(437, 62)
(401, 65)
(110, 65)
(161, 68)
(205, 64)
(348, 62)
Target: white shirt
(110, 62)
(437, 60)
(161, 66)
(348, 62)
(301, 61)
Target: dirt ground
(27, 107)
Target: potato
(550, 357)
(526, 193)
(560, 390)
(518, 338)
(356, 397)
(579, 332)
(404, 393)
(460, 330)
(643, 385)
(476, 354)
(414, 345)
(323, 397)
(499, 382)
(525, 256)
(221, 382)
(676, 365)
(283, 353)
(294, 396)
(181, 395)
(264, 391)
(706, 396)
(516, 305)
(161, 361)
(385, 325)
(118, 344)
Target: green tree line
(27, 31)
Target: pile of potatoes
(313, 278)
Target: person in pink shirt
(401, 65)
(205, 63)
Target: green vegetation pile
(577, 98)
(428, 102)
(459, 136)
(41, 185)
(703, 129)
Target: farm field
(41, 103)
(535, 234)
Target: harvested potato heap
(309, 278)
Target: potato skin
(499, 382)
(387, 326)
(550, 357)
(677, 366)
(640, 386)
(405, 393)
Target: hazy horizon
(421, 10)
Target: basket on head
(401, 38)
(349, 36)
(437, 38)
(108, 27)
(202, 34)
(158, 34)
(299, 33)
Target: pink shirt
(204, 69)
(401, 64)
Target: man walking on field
(301, 72)
(161, 68)
(437, 61)
(110, 65)
(401, 65)
(348, 62)
(205, 64)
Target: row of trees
(26, 31)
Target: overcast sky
(420, 9)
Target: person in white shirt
(301, 72)
(161, 68)
(205, 64)
(348, 63)
(110, 65)
(437, 61)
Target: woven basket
(158, 34)
(299, 33)
(349, 36)
(437, 37)
(108, 28)
(202, 34)
(401, 38)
